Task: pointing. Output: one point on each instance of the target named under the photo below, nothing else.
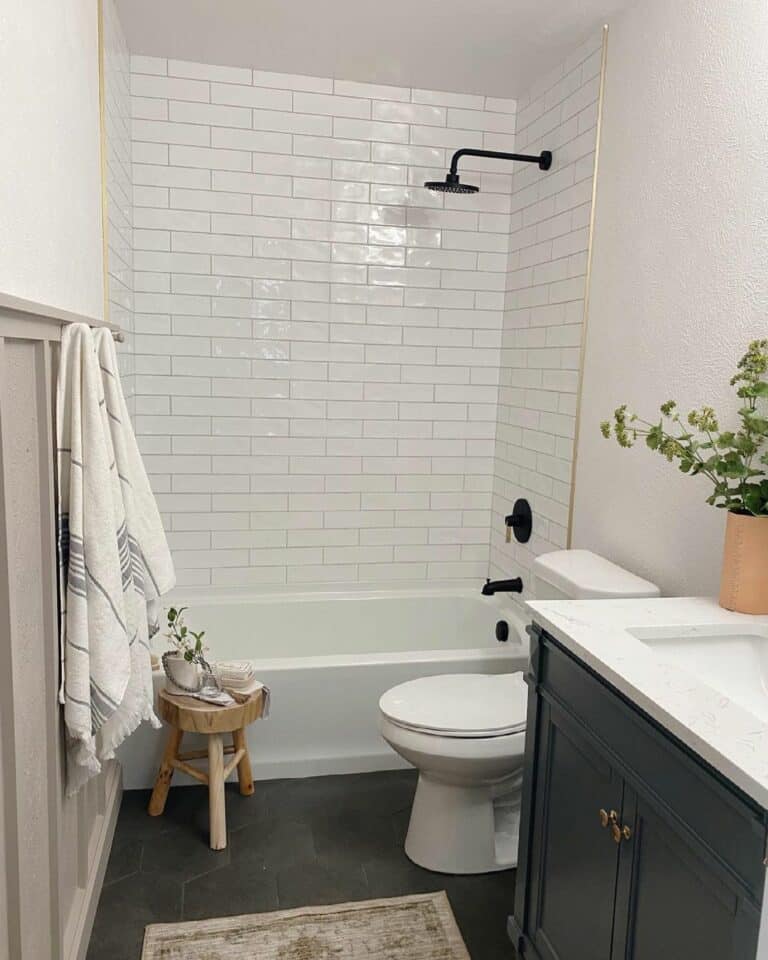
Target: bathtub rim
(504, 604)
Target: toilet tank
(583, 575)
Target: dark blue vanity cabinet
(631, 848)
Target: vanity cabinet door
(574, 857)
(674, 899)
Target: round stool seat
(195, 716)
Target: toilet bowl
(465, 733)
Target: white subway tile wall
(544, 309)
(317, 337)
(119, 186)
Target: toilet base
(463, 829)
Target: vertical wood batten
(45, 399)
(10, 907)
(28, 645)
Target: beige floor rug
(420, 927)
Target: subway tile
(335, 403)
(373, 91)
(333, 106)
(331, 148)
(205, 71)
(250, 96)
(165, 132)
(169, 88)
(144, 152)
(318, 126)
(157, 66)
(181, 111)
(268, 141)
(160, 175)
(291, 81)
(370, 130)
(209, 158)
(442, 98)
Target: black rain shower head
(452, 184)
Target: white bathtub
(327, 658)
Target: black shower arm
(544, 159)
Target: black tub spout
(502, 586)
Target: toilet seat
(460, 706)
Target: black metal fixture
(452, 184)
(502, 586)
(502, 631)
(520, 521)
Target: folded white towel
(114, 559)
(236, 674)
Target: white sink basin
(732, 660)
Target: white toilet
(465, 733)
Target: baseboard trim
(79, 937)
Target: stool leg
(216, 808)
(164, 774)
(244, 774)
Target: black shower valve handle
(520, 521)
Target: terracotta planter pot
(744, 580)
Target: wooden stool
(189, 715)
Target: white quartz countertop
(601, 633)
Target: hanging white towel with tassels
(113, 557)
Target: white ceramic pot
(183, 673)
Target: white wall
(544, 308)
(317, 336)
(50, 189)
(680, 272)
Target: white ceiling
(493, 47)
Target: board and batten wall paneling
(53, 849)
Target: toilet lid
(460, 704)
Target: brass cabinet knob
(611, 820)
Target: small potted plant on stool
(184, 663)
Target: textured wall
(680, 271)
(544, 308)
(50, 198)
(317, 336)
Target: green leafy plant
(734, 461)
(186, 641)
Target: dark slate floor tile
(353, 836)
(182, 853)
(233, 890)
(481, 905)
(134, 823)
(125, 908)
(275, 842)
(395, 876)
(320, 882)
(293, 843)
(124, 860)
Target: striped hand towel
(113, 557)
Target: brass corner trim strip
(587, 286)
